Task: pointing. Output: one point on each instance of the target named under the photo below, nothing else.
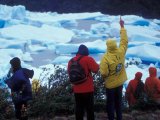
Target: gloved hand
(121, 22)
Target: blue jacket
(20, 82)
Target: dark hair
(15, 63)
(159, 77)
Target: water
(43, 58)
(47, 56)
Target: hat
(83, 50)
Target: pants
(18, 110)
(84, 102)
(114, 103)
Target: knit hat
(83, 50)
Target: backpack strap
(77, 59)
(72, 60)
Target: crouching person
(20, 86)
(135, 91)
(152, 86)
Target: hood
(152, 72)
(83, 50)
(15, 63)
(138, 76)
(28, 73)
(111, 45)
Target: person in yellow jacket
(35, 85)
(112, 69)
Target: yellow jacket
(35, 85)
(112, 66)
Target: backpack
(139, 92)
(76, 72)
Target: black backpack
(139, 92)
(76, 72)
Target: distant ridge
(145, 8)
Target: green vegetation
(56, 98)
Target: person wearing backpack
(83, 90)
(112, 69)
(20, 86)
(134, 89)
(152, 85)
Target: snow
(29, 35)
(49, 17)
(18, 12)
(5, 12)
(146, 38)
(134, 30)
(141, 23)
(94, 47)
(145, 52)
(45, 33)
(61, 59)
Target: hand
(121, 22)
(10, 72)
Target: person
(83, 92)
(131, 89)
(152, 85)
(20, 86)
(113, 72)
(35, 86)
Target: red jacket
(89, 65)
(152, 84)
(131, 89)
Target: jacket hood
(152, 72)
(138, 76)
(111, 45)
(83, 50)
(28, 73)
(15, 63)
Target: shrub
(57, 97)
(6, 107)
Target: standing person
(112, 69)
(152, 85)
(83, 92)
(131, 89)
(20, 86)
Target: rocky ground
(133, 115)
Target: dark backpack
(139, 92)
(76, 72)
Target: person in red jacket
(152, 85)
(83, 92)
(131, 89)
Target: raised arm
(124, 39)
